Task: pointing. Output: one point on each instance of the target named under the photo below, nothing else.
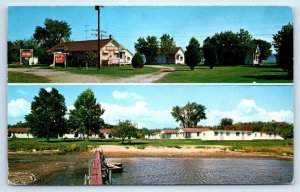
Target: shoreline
(29, 167)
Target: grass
(19, 77)
(267, 73)
(67, 146)
(115, 72)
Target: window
(181, 58)
(260, 134)
(237, 133)
(198, 133)
(227, 133)
(203, 134)
(255, 135)
(243, 133)
(249, 133)
(128, 58)
(274, 134)
(121, 55)
(216, 133)
(270, 134)
(221, 133)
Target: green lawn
(267, 73)
(115, 72)
(19, 77)
(83, 145)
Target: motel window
(121, 55)
(237, 133)
(274, 134)
(249, 133)
(128, 58)
(216, 133)
(198, 133)
(260, 134)
(203, 134)
(243, 133)
(221, 133)
(270, 134)
(227, 133)
(255, 134)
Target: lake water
(192, 171)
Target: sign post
(59, 58)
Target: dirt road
(67, 77)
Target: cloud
(18, 108)
(118, 95)
(247, 111)
(48, 89)
(22, 92)
(139, 113)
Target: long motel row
(208, 134)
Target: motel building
(111, 51)
(207, 134)
(177, 56)
(22, 133)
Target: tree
(87, 113)
(167, 45)
(137, 61)
(51, 34)
(192, 53)
(283, 44)
(226, 122)
(47, 116)
(264, 46)
(125, 129)
(210, 54)
(91, 58)
(147, 47)
(189, 115)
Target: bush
(137, 61)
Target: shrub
(137, 61)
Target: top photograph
(150, 44)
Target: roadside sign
(60, 58)
(26, 54)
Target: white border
(3, 99)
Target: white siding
(21, 135)
(179, 57)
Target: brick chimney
(110, 36)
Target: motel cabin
(153, 136)
(21, 133)
(111, 51)
(191, 133)
(177, 56)
(207, 134)
(106, 133)
(168, 134)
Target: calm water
(170, 171)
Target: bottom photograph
(150, 134)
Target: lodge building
(111, 51)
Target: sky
(128, 23)
(150, 105)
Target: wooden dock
(99, 174)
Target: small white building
(152, 136)
(106, 133)
(168, 134)
(191, 133)
(229, 135)
(177, 57)
(22, 133)
(266, 136)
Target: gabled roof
(169, 131)
(193, 130)
(18, 130)
(105, 131)
(77, 46)
(173, 53)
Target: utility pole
(86, 31)
(97, 8)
